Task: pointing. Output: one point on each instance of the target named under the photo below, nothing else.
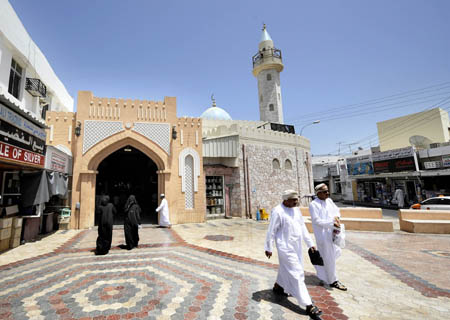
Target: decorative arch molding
(93, 158)
(181, 165)
(96, 131)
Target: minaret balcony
(271, 55)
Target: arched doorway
(124, 172)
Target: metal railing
(269, 53)
(35, 87)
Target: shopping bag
(339, 236)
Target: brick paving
(217, 270)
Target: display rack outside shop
(215, 203)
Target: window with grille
(269, 77)
(189, 176)
(271, 108)
(15, 76)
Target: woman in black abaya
(132, 222)
(106, 213)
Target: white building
(28, 83)
(28, 88)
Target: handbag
(339, 236)
(315, 257)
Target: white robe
(163, 213)
(288, 229)
(400, 197)
(322, 217)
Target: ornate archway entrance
(124, 172)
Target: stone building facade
(257, 164)
(101, 127)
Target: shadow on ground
(269, 296)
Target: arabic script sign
(20, 138)
(18, 154)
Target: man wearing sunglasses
(325, 217)
(288, 229)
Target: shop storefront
(22, 160)
(379, 175)
(220, 182)
(58, 166)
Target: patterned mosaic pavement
(217, 270)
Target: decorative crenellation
(189, 129)
(257, 133)
(114, 109)
(53, 116)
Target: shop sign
(394, 165)
(359, 165)
(18, 154)
(56, 160)
(432, 164)
(17, 131)
(393, 154)
(446, 161)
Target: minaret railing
(269, 53)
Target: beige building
(420, 129)
(122, 147)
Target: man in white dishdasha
(288, 229)
(325, 216)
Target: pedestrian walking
(106, 212)
(163, 212)
(132, 222)
(325, 217)
(288, 229)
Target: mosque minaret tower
(267, 65)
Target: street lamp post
(314, 122)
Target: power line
(424, 90)
(363, 112)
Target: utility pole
(350, 146)
(339, 147)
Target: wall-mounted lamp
(78, 129)
(174, 133)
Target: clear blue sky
(336, 53)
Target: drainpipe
(245, 180)
(248, 190)
(296, 171)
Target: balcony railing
(35, 87)
(270, 53)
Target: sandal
(313, 311)
(338, 285)
(278, 290)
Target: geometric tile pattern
(159, 133)
(96, 131)
(189, 182)
(424, 287)
(180, 282)
(195, 271)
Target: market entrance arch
(125, 172)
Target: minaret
(267, 65)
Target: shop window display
(215, 203)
